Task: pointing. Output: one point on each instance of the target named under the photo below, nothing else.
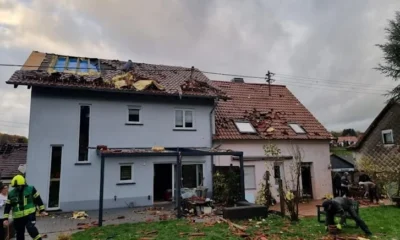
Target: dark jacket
(338, 206)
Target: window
(126, 173)
(387, 136)
(134, 115)
(184, 119)
(76, 65)
(249, 177)
(84, 133)
(245, 127)
(297, 128)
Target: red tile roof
(348, 139)
(251, 102)
(11, 156)
(177, 81)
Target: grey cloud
(324, 39)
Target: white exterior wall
(316, 152)
(55, 119)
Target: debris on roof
(122, 76)
(269, 115)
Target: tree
(385, 171)
(391, 55)
(292, 185)
(349, 132)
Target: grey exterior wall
(373, 146)
(54, 120)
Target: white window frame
(132, 171)
(387, 131)
(183, 115)
(254, 175)
(251, 125)
(298, 125)
(140, 115)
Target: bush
(226, 187)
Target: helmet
(18, 180)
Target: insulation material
(79, 215)
(120, 84)
(144, 84)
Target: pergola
(103, 152)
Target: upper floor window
(387, 136)
(184, 118)
(76, 65)
(134, 115)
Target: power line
(316, 81)
(3, 125)
(14, 122)
(320, 79)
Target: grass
(382, 221)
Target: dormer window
(297, 128)
(76, 65)
(244, 127)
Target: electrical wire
(14, 122)
(320, 83)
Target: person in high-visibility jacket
(22, 201)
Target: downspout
(212, 126)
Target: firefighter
(22, 201)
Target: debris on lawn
(149, 235)
(64, 236)
(79, 215)
(236, 229)
(84, 226)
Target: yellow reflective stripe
(37, 237)
(36, 195)
(8, 201)
(24, 213)
(6, 215)
(41, 207)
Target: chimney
(237, 80)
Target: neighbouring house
(258, 114)
(12, 160)
(381, 141)
(79, 103)
(345, 141)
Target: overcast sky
(324, 51)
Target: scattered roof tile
(174, 80)
(270, 115)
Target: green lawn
(383, 221)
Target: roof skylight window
(297, 128)
(245, 127)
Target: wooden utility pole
(269, 80)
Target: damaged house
(257, 114)
(79, 103)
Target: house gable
(372, 144)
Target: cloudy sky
(323, 50)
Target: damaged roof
(12, 155)
(270, 116)
(41, 69)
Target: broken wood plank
(234, 224)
